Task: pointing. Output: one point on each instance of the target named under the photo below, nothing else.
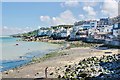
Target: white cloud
(27, 27)
(70, 3)
(92, 3)
(44, 18)
(65, 17)
(39, 27)
(82, 17)
(89, 10)
(57, 21)
(110, 8)
(91, 13)
(5, 27)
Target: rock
(10, 71)
(51, 73)
(6, 72)
(83, 75)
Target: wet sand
(56, 64)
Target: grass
(48, 56)
(62, 42)
(83, 44)
(74, 44)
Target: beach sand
(56, 64)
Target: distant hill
(31, 33)
(64, 26)
(35, 32)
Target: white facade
(93, 24)
(63, 34)
(92, 28)
(49, 32)
(116, 29)
(100, 32)
(42, 32)
(72, 35)
(116, 25)
(76, 28)
(105, 29)
(108, 29)
(86, 25)
(69, 31)
(116, 32)
(92, 31)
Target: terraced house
(105, 30)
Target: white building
(42, 32)
(72, 35)
(105, 29)
(116, 29)
(63, 33)
(76, 28)
(89, 24)
(86, 25)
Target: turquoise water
(11, 52)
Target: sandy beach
(56, 64)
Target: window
(92, 23)
(115, 25)
(116, 31)
(119, 25)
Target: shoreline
(63, 57)
(22, 59)
(61, 43)
(27, 57)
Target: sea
(15, 53)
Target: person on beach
(46, 72)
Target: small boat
(17, 44)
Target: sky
(20, 17)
